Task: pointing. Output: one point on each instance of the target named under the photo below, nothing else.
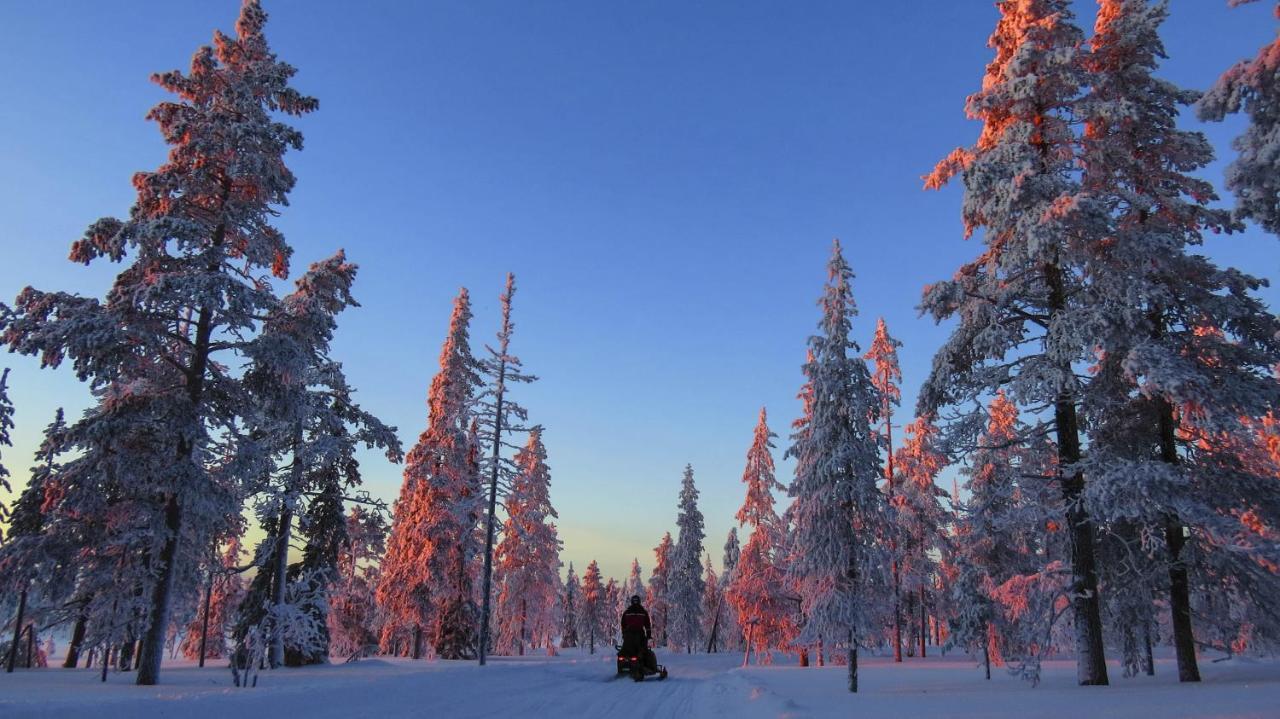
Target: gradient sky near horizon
(664, 178)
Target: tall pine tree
(202, 223)
(1022, 324)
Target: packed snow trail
(581, 685)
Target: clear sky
(664, 178)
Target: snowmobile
(640, 667)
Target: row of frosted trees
(215, 397)
(1107, 391)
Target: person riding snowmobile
(637, 631)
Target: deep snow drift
(579, 685)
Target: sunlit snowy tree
(1186, 343)
(659, 585)
(528, 558)
(428, 573)
(838, 559)
(757, 588)
(200, 237)
(1022, 325)
(886, 378)
(353, 616)
(1252, 87)
(592, 611)
(919, 519)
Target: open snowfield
(577, 685)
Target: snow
(576, 684)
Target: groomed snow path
(579, 685)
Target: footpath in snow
(580, 685)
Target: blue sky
(664, 178)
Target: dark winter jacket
(636, 619)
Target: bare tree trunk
(17, 631)
(1149, 663)
(986, 659)
(204, 621)
(490, 518)
(853, 661)
(77, 639)
(924, 627)
(1091, 663)
(524, 618)
(280, 582)
(1184, 641)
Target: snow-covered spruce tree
(1022, 322)
(886, 378)
(353, 619)
(838, 559)
(571, 606)
(528, 557)
(997, 540)
(756, 588)
(206, 636)
(713, 607)
(309, 428)
(684, 584)
(635, 582)
(1252, 87)
(919, 518)
(591, 612)
(730, 634)
(610, 612)
(428, 569)
(1232, 587)
(26, 553)
(1159, 362)
(6, 424)
(201, 223)
(498, 416)
(659, 589)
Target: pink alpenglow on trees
(353, 613)
(919, 518)
(1252, 87)
(592, 614)
(886, 378)
(757, 590)
(528, 557)
(1186, 343)
(1023, 321)
(429, 570)
(659, 607)
(202, 222)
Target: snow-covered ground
(577, 685)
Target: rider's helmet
(635, 599)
